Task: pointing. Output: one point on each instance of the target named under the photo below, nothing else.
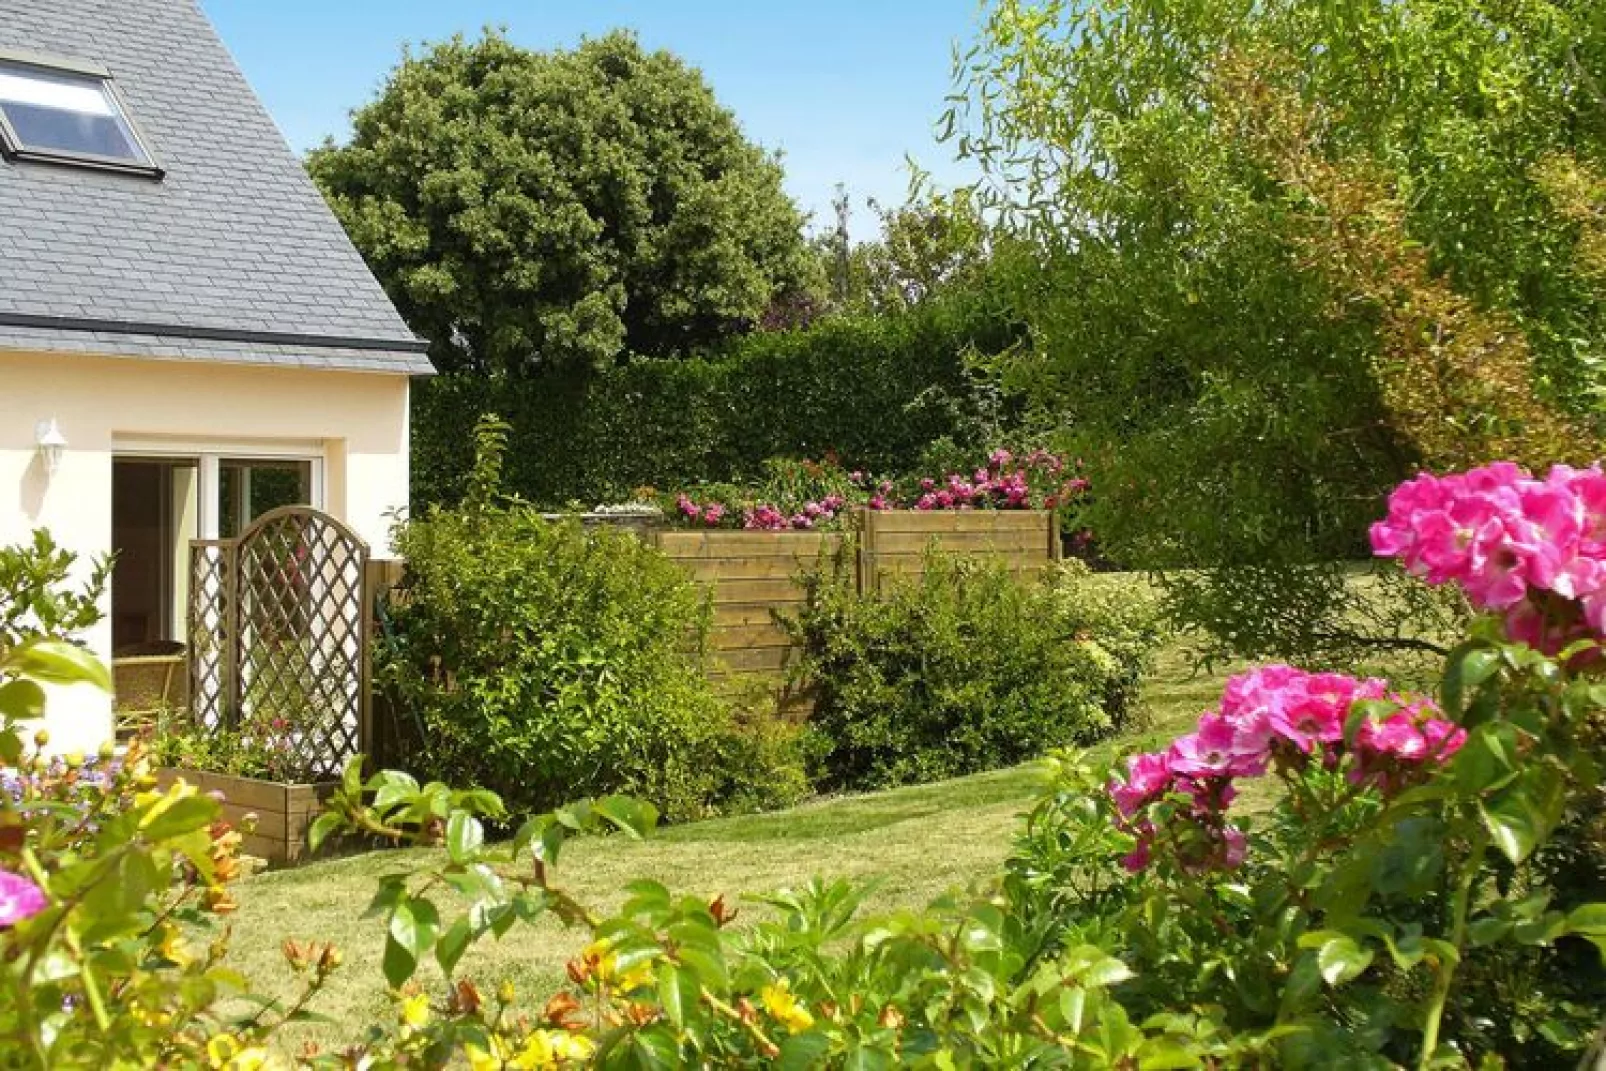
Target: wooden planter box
(284, 813)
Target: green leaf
(646, 897)
(1073, 1007)
(1341, 960)
(60, 662)
(655, 1048)
(677, 993)
(635, 817)
(866, 1058)
(399, 964)
(712, 973)
(351, 777)
(22, 700)
(391, 787)
(322, 826)
(452, 944)
(1487, 930)
(1520, 817)
(800, 1052)
(413, 926)
(179, 817)
(464, 835)
(1590, 919)
(1166, 1054)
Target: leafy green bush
(964, 668)
(1387, 907)
(547, 661)
(1263, 289)
(876, 390)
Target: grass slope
(915, 843)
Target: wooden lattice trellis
(279, 623)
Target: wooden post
(865, 565)
(229, 626)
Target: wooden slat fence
(755, 575)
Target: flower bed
(283, 812)
(806, 495)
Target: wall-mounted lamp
(51, 442)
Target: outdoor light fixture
(52, 444)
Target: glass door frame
(209, 455)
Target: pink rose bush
(1272, 719)
(1530, 549)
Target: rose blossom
(19, 898)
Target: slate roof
(231, 256)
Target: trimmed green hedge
(876, 390)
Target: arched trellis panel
(279, 630)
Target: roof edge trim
(215, 334)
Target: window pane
(67, 113)
(248, 489)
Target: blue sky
(845, 89)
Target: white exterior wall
(357, 420)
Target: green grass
(914, 843)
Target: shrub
(546, 661)
(875, 390)
(962, 668)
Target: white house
(187, 336)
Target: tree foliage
(1285, 253)
(529, 209)
(933, 244)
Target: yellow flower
(635, 978)
(573, 1047)
(252, 1059)
(545, 1049)
(221, 1049)
(171, 946)
(415, 1011)
(536, 1054)
(784, 1007)
(224, 1052)
(495, 1060)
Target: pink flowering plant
(1378, 877)
(807, 495)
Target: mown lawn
(914, 843)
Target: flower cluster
(1531, 549)
(1272, 718)
(708, 514)
(812, 514)
(51, 784)
(806, 495)
(1005, 482)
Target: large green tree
(1284, 252)
(531, 210)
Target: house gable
(231, 255)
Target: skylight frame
(12, 146)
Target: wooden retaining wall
(283, 813)
(755, 575)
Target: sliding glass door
(160, 502)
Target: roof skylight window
(67, 113)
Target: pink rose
(19, 898)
